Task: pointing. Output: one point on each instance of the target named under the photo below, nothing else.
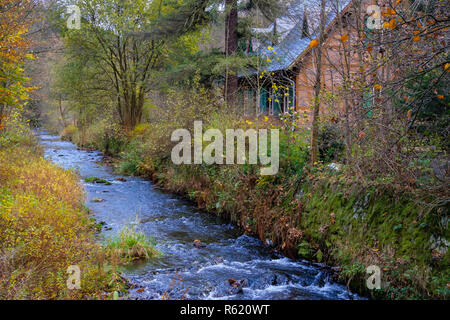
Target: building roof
(292, 45)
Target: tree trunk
(2, 109)
(317, 89)
(231, 46)
(61, 112)
(131, 104)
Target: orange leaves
(314, 43)
(344, 38)
(409, 114)
(416, 37)
(392, 24)
(388, 12)
(378, 87)
(446, 66)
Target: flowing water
(184, 271)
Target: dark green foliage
(427, 96)
(331, 144)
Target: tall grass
(131, 245)
(44, 229)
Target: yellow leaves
(43, 213)
(378, 87)
(446, 66)
(268, 60)
(314, 43)
(344, 38)
(392, 24)
(13, 53)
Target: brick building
(291, 67)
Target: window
(346, 20)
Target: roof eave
(327, 30)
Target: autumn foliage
(15, 20)
(44, 230)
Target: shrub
(69, 133)
(16, 133)
(103, 135)
(44, 229)
(140, 130)
(331, 145)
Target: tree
(231, 47)
(318, 44)
(128, 41)
(14, 24)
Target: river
(184, 271)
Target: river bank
(45, 228)
(322, 214)
(226, 264)
(327, 217)
(326, 220)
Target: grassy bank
(318, 213)
(45, 228)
